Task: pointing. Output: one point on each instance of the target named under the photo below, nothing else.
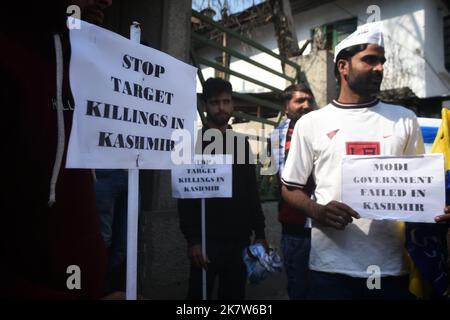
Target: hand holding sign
(196, 256)
(444, 217)
(335, 214)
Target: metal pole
(133, 204)
(203, 250)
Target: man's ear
(343, 66)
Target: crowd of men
(54, 217)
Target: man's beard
(364, 84)
(219, 119)
(294, 116)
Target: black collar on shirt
(341, 105)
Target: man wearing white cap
(344, 245)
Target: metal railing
(199, 60)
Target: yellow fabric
(417, 285)
(442, 142)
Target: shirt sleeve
(299, 163)
(275, 150)
(257, 215)
(414, 144)
(189, 211)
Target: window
(335, 32)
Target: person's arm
(334, 214)
(190, 225)
(415, 144)
(257, 216)
(258, 219)
(298, 168)
(189, 214)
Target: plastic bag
(261, 264)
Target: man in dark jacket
(230, 222)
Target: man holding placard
(230, 222)
(347, 250)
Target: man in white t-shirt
(344, 246)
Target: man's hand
(264, 243)
(444, 217)
(335, 214)
(195, 254)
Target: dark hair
(215, 86)
(347, 54)
(301, 87)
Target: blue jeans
(295, 250)
(111, 196)
(333, 286)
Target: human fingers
(345, 208)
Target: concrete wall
(122, 13)
(163, 260)
(318, 70)
(414, 44)
(437, 78)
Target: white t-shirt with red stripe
(319, 141)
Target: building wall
(413, 41)
(437, 77)
(318, 71)
(163, 264)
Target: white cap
(367, 33)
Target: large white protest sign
(208, 177)
(129, 98)
(397, 188)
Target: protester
(230, 222)
(298, 100)
(50, 243)
(343, 245)
(111, 190)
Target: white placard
(209, 177)
(396, 188)
(129, 98)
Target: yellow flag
(417, 285)
(442, 141)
